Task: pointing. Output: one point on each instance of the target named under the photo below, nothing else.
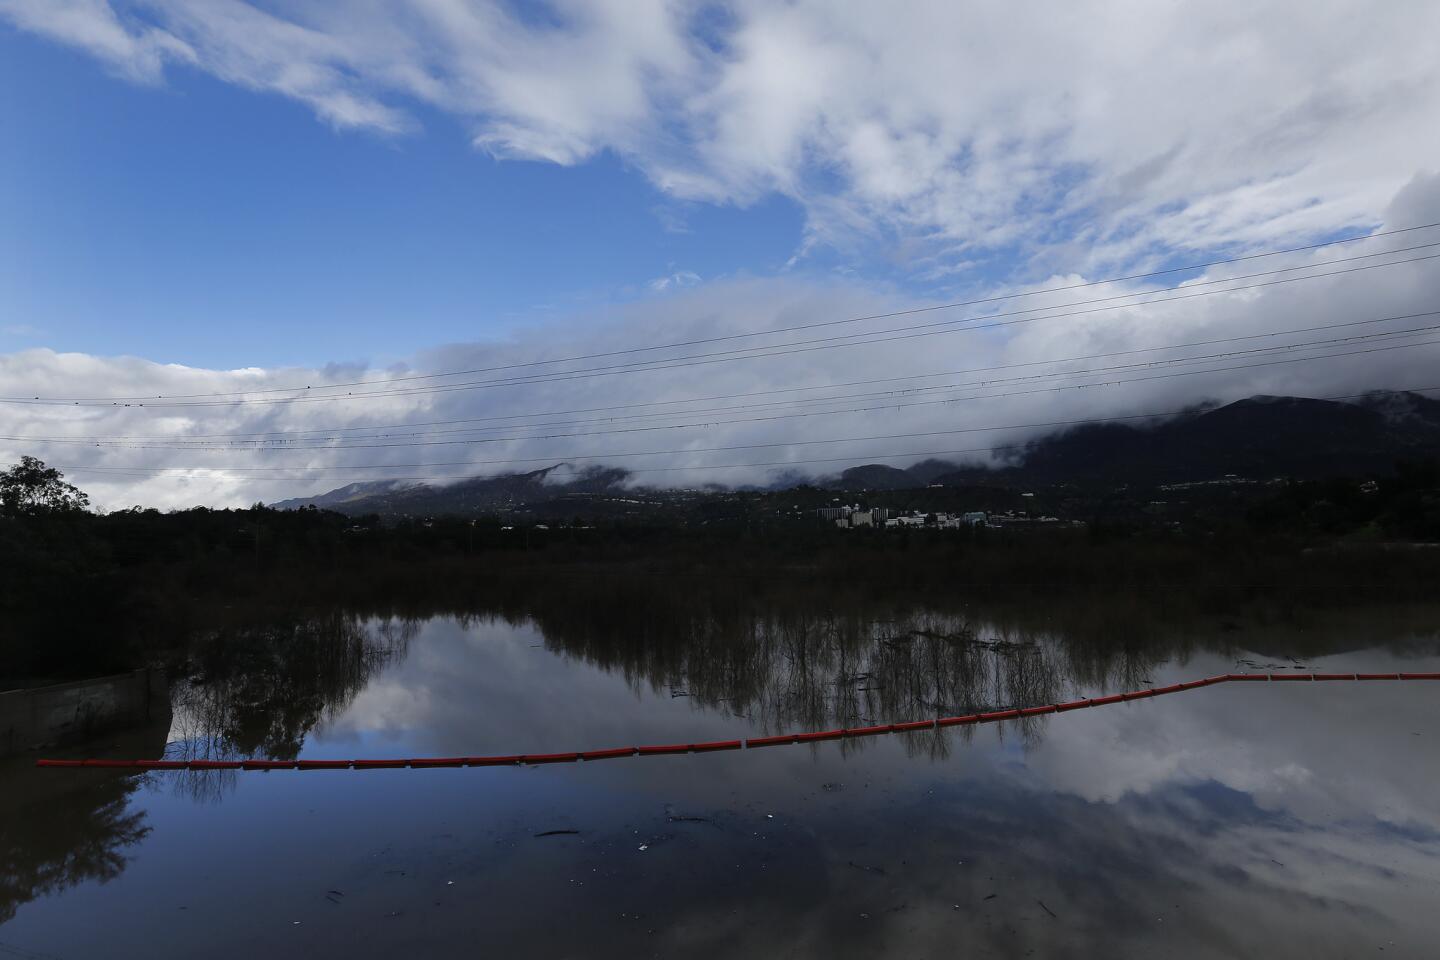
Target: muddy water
(1232, 821)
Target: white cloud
(673, 281)
(135, 50)
(597, 415)
(1090, 135)
(1209, 735)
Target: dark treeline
(83, 594)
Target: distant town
(855, 516)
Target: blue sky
(203, 224)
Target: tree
(31, 489)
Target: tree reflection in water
(56, 832)
(807, 670)
(785, 662)
(784, 665)
(258, 691)
(784, 654)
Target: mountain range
(1260, 438)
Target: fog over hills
(1260, 437)
(749, 405)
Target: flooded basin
(1242, 819)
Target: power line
(749, 393)
(901, 333)
(888, 406)
(345, 442)
(910, 391)
(774, 417)
(466, 476)
(895, 456)
(850, 320)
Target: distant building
(862, 518)
(833, 513)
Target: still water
(1232, 821)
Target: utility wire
(901, 333)
(345, 442)
(861, 319)
(887, 406)
(741, 395)
(726, 466)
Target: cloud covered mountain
(474, 495)
(744, 406)
(1260, 437)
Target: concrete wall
(66, 712)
